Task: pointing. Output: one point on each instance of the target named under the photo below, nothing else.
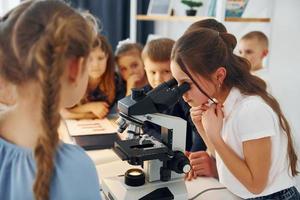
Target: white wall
(284, 57)
(6, 5)
(285, 62)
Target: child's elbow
(256, 190)
(257, 187)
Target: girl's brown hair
(126, 48)
(46, 36)
(10, 68)
(107, 84)
(204, 50)
(207, 23)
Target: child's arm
(99, 109)
(68, 114)
(253, 170)
(87, 111)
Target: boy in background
(156, 57)
(254, 47)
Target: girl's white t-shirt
(248, 118)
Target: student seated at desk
(130, 64)
(47, 64)
(204, 162)
(105, 86)
(244, 125)
(156, 56)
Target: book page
(90, 127)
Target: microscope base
(114, 188)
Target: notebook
(93, 134)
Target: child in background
(130, 64)
(44, 51)
(254, 47)
(103, 86)
(156, 56)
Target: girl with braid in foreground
(43, 47)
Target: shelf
(195, 18)
(238, 19)
(169, 18)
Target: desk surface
(108, 163)
(209, 186)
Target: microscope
(162, 161)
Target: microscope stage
(136, 151)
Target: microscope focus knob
(179, 163)
(186, 168)
(122, 125)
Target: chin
(94, 76)
(154, 85)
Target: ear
(73, 69)
(220, 75)
(265, 53)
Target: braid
(50, 83)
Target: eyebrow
(186, 79)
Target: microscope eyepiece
(172, 82)
(184, 87)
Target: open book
(92, 134)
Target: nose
(159, 78)
(185, 96)
(242, 54)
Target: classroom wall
(283, 61)
(6, 5)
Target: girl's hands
(202, 165)
(99, 109)
(133, 80)
(212, 121)
(196, 115)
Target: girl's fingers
(219, 111)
